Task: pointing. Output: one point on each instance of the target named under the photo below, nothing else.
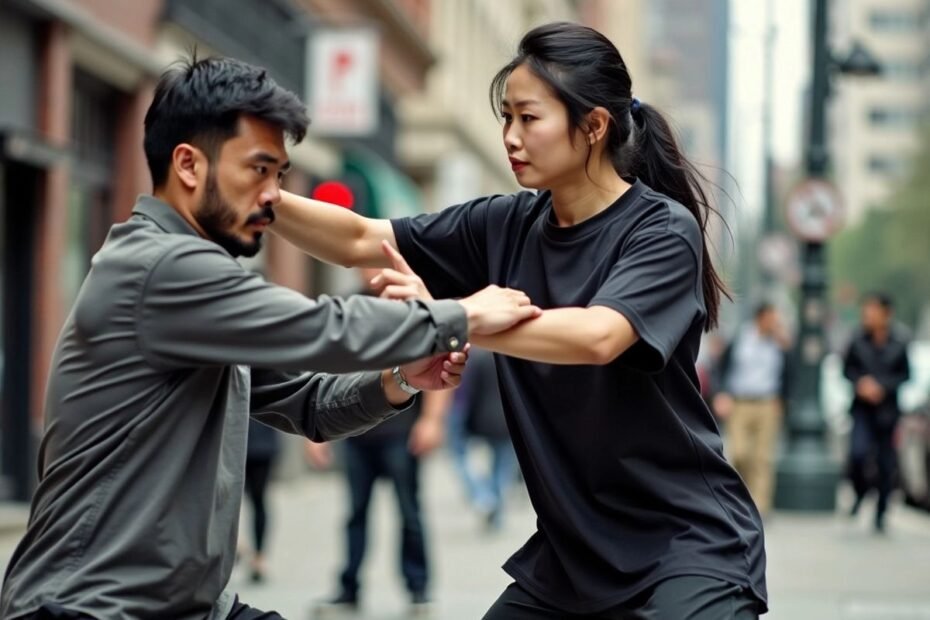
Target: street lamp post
(807, 476)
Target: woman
(640, 515)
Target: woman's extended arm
(331, 233)
(596, 335)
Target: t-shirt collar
(570, 233)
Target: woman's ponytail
(659, 163)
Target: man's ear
(597, 122)
(189, 164)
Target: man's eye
(262, 170)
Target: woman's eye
(506, 117)
(526, 118)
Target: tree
(889, 249)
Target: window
(894, 118)
(888, 165)
(900, 21)
(93, 135)
(903, 70)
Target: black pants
(677, 598)
(871, 444)
(239, 611)
(257, 474)
(365, 463)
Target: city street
(820, 567)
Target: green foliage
(889, 249)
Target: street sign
(343, 81)
(814, 210)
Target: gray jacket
(161, 361)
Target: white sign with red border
(815, 210)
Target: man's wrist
(392, 391)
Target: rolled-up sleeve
(199, 307)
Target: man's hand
(870, 390)
(490, 310)
(723, 405)
(494, 309)
(439, 372)
(426, 435)
(319, 455)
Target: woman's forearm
(331, 233)
(595, 335)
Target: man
(393, 451)
(876, 363)
(752, 374)
(165, 354)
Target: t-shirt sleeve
(449, 249)
(655, 284)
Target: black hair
(763, 308)
(879, 297)
(200, 102)
(584, 70)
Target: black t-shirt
(624, 462)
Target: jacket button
(454, 343)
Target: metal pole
(807, 477)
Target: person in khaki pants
(749, 403)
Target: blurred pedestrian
(478, 414)
(261, 454)
(171, 345)
(876, 363)
(391, 451)
(639, 512)
(750, 401)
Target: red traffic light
(334, 192)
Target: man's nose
(270, 196)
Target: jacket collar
(163, 215)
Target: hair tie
(634, 106)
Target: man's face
(768, 321)
(243, 186)
(874, 315)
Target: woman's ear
(188, 163)
(597, 124)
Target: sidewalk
(820, 567)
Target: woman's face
(542, 151)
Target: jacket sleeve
(898, 372)
(853, 368)
(199, 307)
(320, 406)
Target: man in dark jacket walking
(876, 363)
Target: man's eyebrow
(268, 158)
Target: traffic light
(334, 192)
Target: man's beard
(217, 217)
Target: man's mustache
(267, 213)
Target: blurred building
(875, 120)
(450, 139)
(79, 76)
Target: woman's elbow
(605, 349)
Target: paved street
(820, 568)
